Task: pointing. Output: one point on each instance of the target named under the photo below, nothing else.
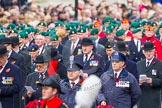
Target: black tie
(73, 84)
(86, 59)
(148, 63)
(115, 76)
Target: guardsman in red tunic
(150, 36)
(50, 89)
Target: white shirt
(96, 41)
(74, 43)
(76, 81)
(57, 46)
(9, 54)
(3, 66)
(17, 51)
(40, 49)
(149, 61)
(118, 73)
(27, 44)
(89, 55)
(21, 47)
(139, 44)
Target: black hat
(40, 59)
(118, 56)
(109, 44)
(120, 46)
(87, 41)
(74, 66)
(51, 81)
(6, 40)
(15, 40)
(53, 53)
(3, 50)
(148, 46)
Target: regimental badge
(7, 80)
(154, 72)
(116, 53)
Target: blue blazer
(95, 65)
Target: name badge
(122, 84)
(93, 63)
(7, 80)
(154, 72)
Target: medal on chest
(7, 80)
(123, 84)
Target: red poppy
(117, 79)
(13, 62)
(44, 76)
(106, 106)
(8, 70)
(81, 81)
(153, 62)
(92, 57)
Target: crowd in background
(44, 41)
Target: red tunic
(54, 103)
(157, 44)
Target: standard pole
(76, 9)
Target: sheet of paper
(142, 77)
(29, 88)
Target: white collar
(118, 73)
(40, 49)
(57, 46)
(3, 66)
(9, 54)
(89, 55)
(17, 51)
(96, 41)
(27, 44)
(76, 81)
(135, 40)
(149, 61)
(76, 42)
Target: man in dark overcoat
(10, 81)
(150, 71)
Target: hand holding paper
(29, 88)
(142, 78)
